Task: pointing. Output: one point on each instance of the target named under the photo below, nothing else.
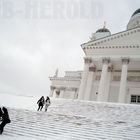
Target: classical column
(51, 91)
(90, 80)
(62, 90)
(103, 80)
(76, 93)
(87, 62)
(123, 82)
(107, 88)
(54, 93)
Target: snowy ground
(70, 120)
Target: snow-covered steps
(76, 120)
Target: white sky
(39, 36)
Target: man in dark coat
(5, 118)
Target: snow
(3, 137)
(70, 120)
(17, 101)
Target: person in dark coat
(47, 103)
(5, 118)
(40, 103)
(0, 114)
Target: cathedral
(111, 70)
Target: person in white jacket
(47, 103)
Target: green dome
(136, 12)
(102, 30)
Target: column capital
(87, 60)
(74, 89)
(52, 87)
(62, 88)
(110, 68)
(125, 60)
(92, 68)
(105, 60)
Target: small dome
(102, 30)
(136, 12)
(100, 33)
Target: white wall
(94, 90)
(69, 94)
(114, 93)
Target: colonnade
(59, 92)
(88, 78)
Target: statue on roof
(56, 73)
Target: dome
(102, 30)
(100, 33)
(136, 12)
(134, 21)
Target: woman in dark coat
(40, 103)
(5, 119)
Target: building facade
(66, 87)
(111, 67)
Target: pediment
(125, 38)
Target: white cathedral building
(111, 68)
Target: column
(62, 90)
(90, 80)
(76, 93)
(103, 80)
(51, 91)
(54, 93)
(123, 82)
(87, 62)
(107, 88)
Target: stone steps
(67, 123)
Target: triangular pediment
(125, 38)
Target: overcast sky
(39, 36)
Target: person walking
(47, 103)
(40, 103)
(5, 118)
(1, 114)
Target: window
(138, 100)
(135, 99)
